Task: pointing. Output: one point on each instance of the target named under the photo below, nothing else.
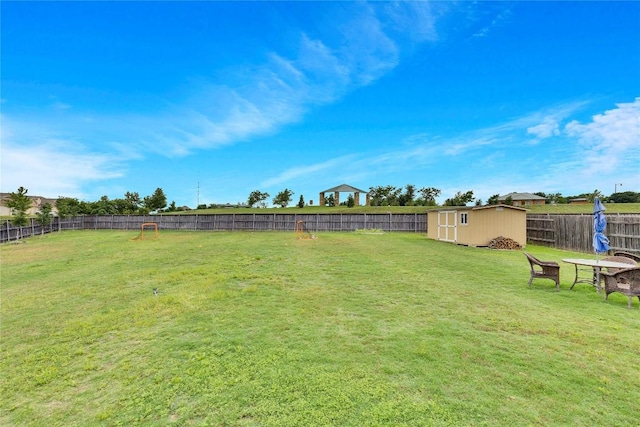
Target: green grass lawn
(261, 329)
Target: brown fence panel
(575, 232)
(541, 230)
(623, 232)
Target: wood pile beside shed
(501, 242)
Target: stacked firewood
(503, 243)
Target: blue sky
(212, 100)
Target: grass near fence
(261, 329)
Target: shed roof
(522, 196)
(476, 208)
(344, 188)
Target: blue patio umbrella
(600, 241)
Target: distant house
(36, 205)
(579, 201)
(477, 226)
(523, 199)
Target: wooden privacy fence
(575, 232)
(414, 223)
(262, 222)
(569, 231)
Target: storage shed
(476, 226)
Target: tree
(429, 195)
(384, 196)
(257, 196)
(301, 202)
(330, 200)
(283, 198)
(172, 206)
(155, 202)
(104, 206)
(350, 201)
(407, 199)
(132, 202)
(508, 201)
(460, 199)
(625, 197)
(19, 203)
(69, 207)
(556, 198)
(596, 193)
(494, 200)
(44, 216)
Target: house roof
(34, 199)
(521, 196)
(344, 188)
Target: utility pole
(615, 188)
(198, 196)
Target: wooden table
(596, 266)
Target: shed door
(447, 226)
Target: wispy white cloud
(60, 106)
(496, 21)
(308, 171)
(576, 156)
(609, 138)
(53, 166)
(549, 127)
(264, 97)
(281, 90)
(547, 123)
(51, 170)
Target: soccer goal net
(151, 229)
(302, 232)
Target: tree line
(387, 195)
(411, 195)
(132, 204)
(617, 197)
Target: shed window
(464, 218)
